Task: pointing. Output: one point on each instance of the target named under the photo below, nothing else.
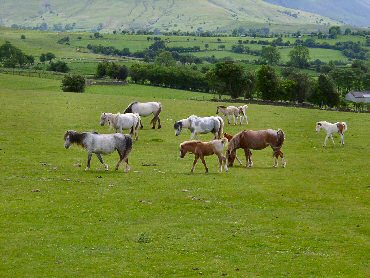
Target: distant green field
(325, 55)
(309, 219)
(82, 61)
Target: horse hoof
(87, 169)
(153, 127)
(159, 127)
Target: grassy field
(309, 219)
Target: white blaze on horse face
(67, 143)
(178, 131)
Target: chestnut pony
(201, 149)
(256, 140)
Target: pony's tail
(221, 129)
(281, 137)
(157, 113)
(138, 123)
(128, 147)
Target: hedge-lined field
(309, 219)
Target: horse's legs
(246, 119)
(122, 158)
(89, 155)
(141, 124)
(102, 161)
(192, 137)
(204, 163)
(248, 157)
(154, 120)
(282, 159)
(326, 139)
(332, 139)
(159, 123)
(228, 119)
(237, 158)
(127, 165)
(194, 163)
(342, 138)
(222, 160)
(234, 119)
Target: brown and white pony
(256, 140)
(201, 149)
(230, 111)
(229, 137)
(330, 129)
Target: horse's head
(103, 119)
(178, 127)
(318, 126)
(230, 157)
(67, 138)
(183, 151)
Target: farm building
(358, 97)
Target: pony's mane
(221, 106)
(235, 141)
(76, 137)
(129, 107)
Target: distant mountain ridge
(353, 12)
(163, 15)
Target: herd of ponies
(247, 140)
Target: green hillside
(162, 15)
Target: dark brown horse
(256, 140)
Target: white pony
(330, 129)
(230, 111)
(101, 144)
(196, 125)
(243, 113)
(145, 109)
(122, 121)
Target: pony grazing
(145, 109)
(202, 149)
(229, 137)
(256, 140)
(101, 144)
(201, 125)
(122, 121)
(330, 129)
(230, 111)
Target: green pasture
(310, 219)
(325, 55)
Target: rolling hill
(354, 12)
(163, 15)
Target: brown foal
(201, 149)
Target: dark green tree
(165, 58)
(228, 78)
(73, 83)
(58, 66)
(267, 83)
(299, 57)
(270, 55)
